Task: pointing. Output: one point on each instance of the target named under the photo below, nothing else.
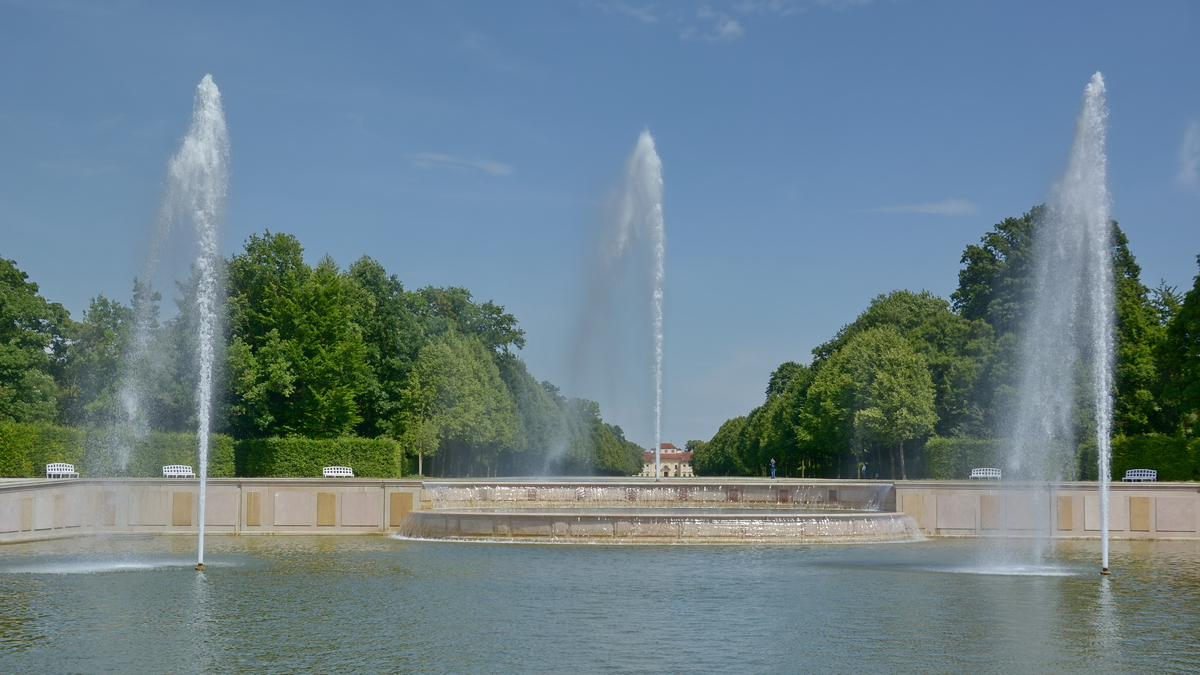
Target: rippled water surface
(374, 604)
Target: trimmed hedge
(25, 449)
(953, 458)
(1175, 458)
(305, 457)
(159, 449)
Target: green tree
(958, 352)
(874, 388)
(297, 359)
(453, 308)
(1180, 356)
(776, 424)
(1137, 407)
(996, 285)
(393, 337)
(996, 281)
(33, 347)
(540, 419)
(894, 395)
(456, 395)
(94, 358)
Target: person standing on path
(772, 467)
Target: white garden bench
(338, 472)
(1140, 475)
(985, 474)
(178, 471)
(61, 470)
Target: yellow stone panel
(1066, 512)
(181, 508)
(326, 508)
(253, 509)
(1139, 514)
(989, 512)
(399, 505)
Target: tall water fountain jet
(197, 178)
(627, 270)
(1068, 340)
(640, 210)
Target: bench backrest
(61, 470)
(337, 472)
(985, 473)
(1150, 474)
(178, 470)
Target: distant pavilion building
(676, 463)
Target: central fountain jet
(197, 179)
(640, 210)
(1069, 338)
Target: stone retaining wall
(32, 509)
(44, 509)
(1071, 510)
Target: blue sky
(815, 153)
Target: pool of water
(665, 512)
(382, 605)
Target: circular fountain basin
(659, 526)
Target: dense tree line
(310, 352)
(913, 367)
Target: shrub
(305, 457)
(25, 449)
(1175, 458)
(160, 449)
(953, 458)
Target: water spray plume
(197, 178)
(640, 211)
(1069, 339)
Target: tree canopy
(914, 366)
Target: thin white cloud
(839, 4)
(644, 14)
(722, 27)
(783, 7)
(786, 7)
(946, 207)
(78, 167)
(434, 160)
(1189, 158)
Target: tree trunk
(903, 473)
(421, 464)
(892, 456)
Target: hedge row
(953, 458)
(1175, 459)
(305, 457)
(26, 449)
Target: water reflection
(374, 604)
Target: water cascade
(1068, 340)
(640, 211)
(631, 512)
(197, 178)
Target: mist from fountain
(641, 212)
(631, 245)
(1067, 345)
(197, 180)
